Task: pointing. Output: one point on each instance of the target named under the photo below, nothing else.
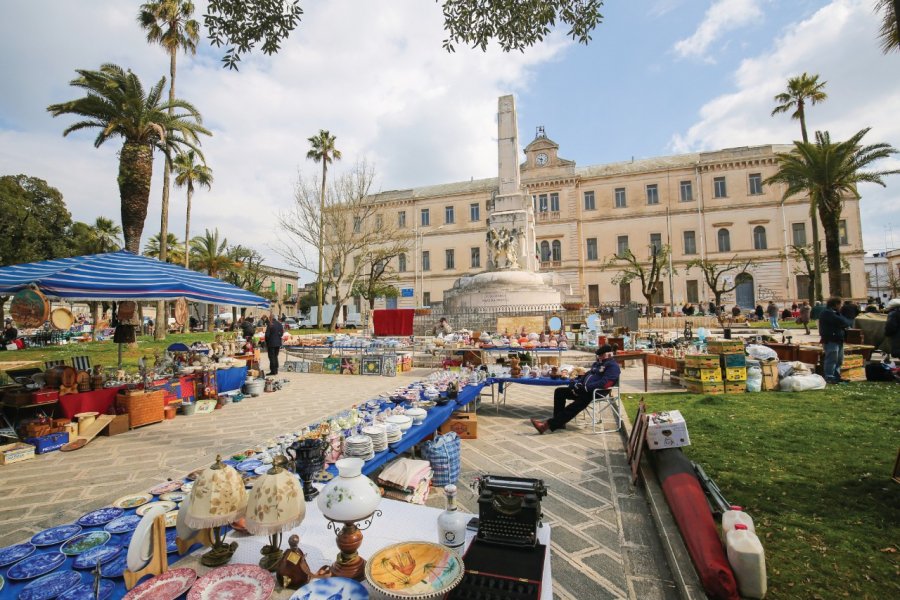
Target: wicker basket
(142, 408)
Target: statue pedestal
(500, 288)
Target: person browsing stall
(833, 329)
(603, 375)
(274, 333)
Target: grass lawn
(814, 471)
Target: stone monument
(512, 277)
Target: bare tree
(720, 277)
(379, 274)
(649, 272)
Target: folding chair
(599, 403)
(81, 363)
(49, 364)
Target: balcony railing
(548, 215)
(551, 264)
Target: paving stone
(607, 567)
(578, 584)
(602, 535)
(569, 541)
(651, 589)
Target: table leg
(645, 371)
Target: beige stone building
(704, 205)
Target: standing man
(892, 326)
(248, 329)
(603, 375)
(803, 317)
(274, 333)
(772, 312)
(833, 329)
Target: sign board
(406, 292)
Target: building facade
(709, 205)
(280, 287)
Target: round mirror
(555, 323)
(593, 322)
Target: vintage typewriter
(509, 510)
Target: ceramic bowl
(403, 421)
(417, 414)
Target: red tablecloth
(95, 401)
(394, 321)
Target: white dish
(139, 547)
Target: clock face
(541, 159)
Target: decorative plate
(123, 524)
(169, 505)
(187, 487)
(55, 535)
(332, 587)
(417, 570)
(101, 554)
(76, 444)
(139, 547)
(171, 546)
(263, 469)
(116, 567)
(169, 486)
(171, 518)
(85, 591)
(2, 581)
(132, 500)
(84, 542)
(101, 516)
(167, 586)
(50, 586)
(178, 496)
(247, 582)
(195, 473)
(12, 554)
(249, 465)
(35, 565)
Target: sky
(660, 77)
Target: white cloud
(723, 16)
(839, 43)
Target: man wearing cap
(603, 375)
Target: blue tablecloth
(528, 381)
(231, 379)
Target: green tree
(801, 90)
(118, 106)
(830, 171)
(720, 277)
(648, 272)
(324, 151)
(174, 249)
(106, 235)
(378, 277)
(889, 33)
(209, 253)
(187, 173)
(245, 271)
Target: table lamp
(349, 498)
(217, 498)
(276, 503)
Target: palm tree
(800, 90)
(187, 173)
(105, 235)
(323, 151)
(117, 104)
(174, 249)
(211, 255)
(830, 171)
(890, 24)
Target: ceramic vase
(351, 496)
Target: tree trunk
(3, 300)
(833, 253)
(817, 258)
(135, 173)
(95, 318)
(320, 295)
(187, 230)
(210, 317)
(334, 316)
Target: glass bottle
(451, 522)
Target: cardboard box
(118, 425)
(667, 430)
(464, 424)
(704, 361)
(736, 374)
(725, 346)
(17, 452)
(852, 360)
(854, 373)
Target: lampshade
(276, 502)
(351, 496)
(217, 498)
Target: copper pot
(55, 377)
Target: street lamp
(419, 266)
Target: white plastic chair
(599, 403)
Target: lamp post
(420, 268)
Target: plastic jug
(748, 561)
(732, 517)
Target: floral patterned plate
(85, 591)
(132, 500)
(50, 586)
(167, 586)
(123, 524)
(12, 554)
(35, 565)
(101, 554)
(417, 570)
(332, 587)
(178, 496)
(187, 487)
(168, 504)
(248, 465)
(116, 567)
(247, 582)
(56, 535)
(169, 486)
(84, 542)
(171, 546)
(101, 516)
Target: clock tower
(543, 152)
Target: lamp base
(220, 554)
(271, 555)
(354, 568)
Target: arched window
(759, 238)
(557, 251)
(401, 263)
(724, 240)
(545, 251)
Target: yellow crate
(852, 360)
(736, 374)
(725, 346)
(854, 373)
(711, 375)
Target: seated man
(604, 374)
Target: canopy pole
(120, 355)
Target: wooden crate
(769, 376)
(704, 387)
(735, 387)
(710, 375)
(142, 408)
(704, 361)
(17, 452)
(734, 360)
(736, 374)
(725, 346)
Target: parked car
(291, 323)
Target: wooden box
(464, 424)
(736, 374)
(142, 408)
(17, 452)
(769, 376)
(704, 387)
(118, 425)
(735, 387)
(734, 360)
(725, 346)
(704, 361)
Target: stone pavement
(604, 544)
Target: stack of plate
(359, 446)
(393, 433)
(378, 435)
(402, 420)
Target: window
(687, 191)
(426, 217)
(620, 197)
(557, 250)
(593, 295)
(845, 286)
(755, 181)
(545, 251)
(357, 224)
(692, 288)
(554, 202)
(719, 190)
(476, 258)
(448, 215)
(690, 242)
(401, 219)
(272, 284)
(759, 238)
(542, 203)
(624, 293)
(803, 287)
(842, 231)
(798, 231)
(652, 194)
(401, 263)
(426, 260)
(449, 259)
(655, 243)
(426, 298)
(724, 240)
(589, 203)
(621, 245)
(592, 248)
(290, 289)
(474, 212)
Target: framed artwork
(331, 365)
(371, 365)
(389, 367)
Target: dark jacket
(850, 311)
(273, 334)
(892, 331)
(832, 326)
(248, 329)
(602, 376)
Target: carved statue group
(504, 245)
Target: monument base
(494, 289)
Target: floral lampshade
(217, 498)
(276, 502)
(351, 496)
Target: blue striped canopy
(122, 275)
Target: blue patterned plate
(50, 586)
(101, 516)
(249, 465)
(123, 524)
(170, 541)
(116, 567)
(12, 554)
(56, 535)
(35, 565)
(101, 554)
(85, 591)
(84, 542)
(338, 588)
